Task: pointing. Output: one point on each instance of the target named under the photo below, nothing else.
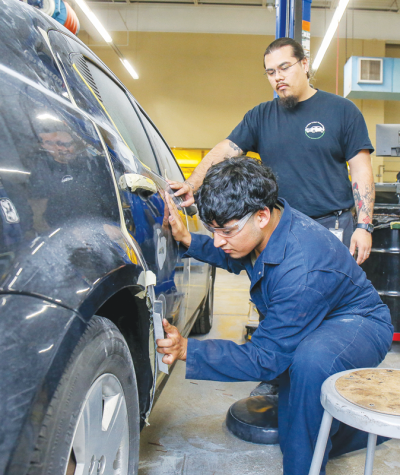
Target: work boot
(266, 388)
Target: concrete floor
(187, 433)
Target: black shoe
(270, 388)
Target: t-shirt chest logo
(314, 130)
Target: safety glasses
(282, 70)
(230, 231)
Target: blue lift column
(289, 18)
(281, 18)
(255, 418)
(293, 18)
(306, 24)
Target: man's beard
(288, 102)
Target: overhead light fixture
(337, 16)
(131, 71)
(95, 21)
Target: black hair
(297, 49)
(235, 187)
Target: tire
(204, 321)
(93, 417)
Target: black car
(88, 265)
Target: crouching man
(322, 315)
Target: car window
(123, 116)
(73, 64)
(169, 168)
(101, 97)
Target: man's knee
(312, 363)
(330, 348)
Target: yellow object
(395, 225)
(131, 254)
(253, 155)
(189, 158)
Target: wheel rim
(100, 444)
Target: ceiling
(364, 19)
(368, 5)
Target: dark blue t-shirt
(307, 148)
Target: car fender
(78, 267)
(37, 338)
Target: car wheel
(92, 425)
(204, 320)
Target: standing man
(306, 136)
(322, 315)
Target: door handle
(135, 182)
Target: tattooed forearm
(225, 149)
(237, 151)
(364, 201)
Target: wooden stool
(367, 399)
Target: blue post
(307, 10)
(306, 23)
(281, 12)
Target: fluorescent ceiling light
(337, 16)
(95, 21)
(131, 71)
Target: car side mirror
(137, 183)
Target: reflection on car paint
(35, 60)
(66, 178)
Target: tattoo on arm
(190, 184)
(364, 201)
(236, 149)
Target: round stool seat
(367, 399)
(374, 389)
(254, 419)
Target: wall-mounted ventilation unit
(370, 70)
(372, 78)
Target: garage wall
(196, 87)
(392, 108)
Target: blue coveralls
(322, 316)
